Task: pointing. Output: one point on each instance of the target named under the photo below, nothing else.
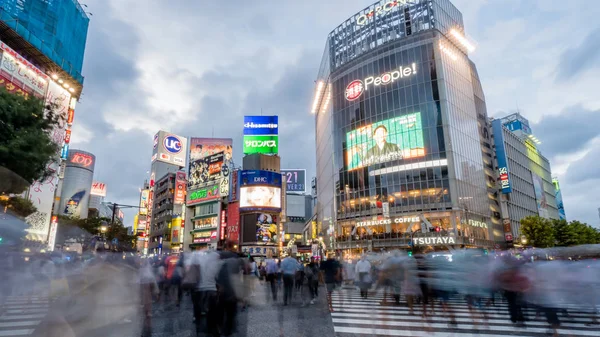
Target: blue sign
(517, 125)
(258, 177)
(172, 144)
(503, 173)
(64, 153)
(261, 125)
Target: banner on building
(180, 188)
(98, 189)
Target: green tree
(19, 206)
(564, 233)
(584, 233)
(82, 231)
(26, 146)
(538, 231)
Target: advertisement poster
(261, 144)
(72, 206)
(144, 202)
(260, 197)
(295, 180)
(98, 188)
(540, 196)
(21, 72)
(233, 222)
(391, 139)
(41, 193)
(203, 194)
(266, 228)
(203, 147)
(180, 189)
(176, 230)
(206, 170)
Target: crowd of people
(99, 293)
(538, 281)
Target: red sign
(233, 222)
(354, 90)
(12, 88)
(234, 185)
(67, 136)
(81, 159)
(508, 237)
(223, 223)
(70, 116)
(164, 156)
(213, 234)
(23, 61)
(179, 192)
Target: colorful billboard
(233, 222)
(144, 196)
(169, 148)
(98, 188)
(261, 144)
(41, 193)
(203, 147)
(260, 198)
(180, 188)
(391, 139)
(503, 170)
(266, 228)
(559, 200)
(259, 177)
(540, 196)
(204, 194)
(207, 170)
(261, 125)
(295, 180)
(18, 70)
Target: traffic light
(1, 239)
(437, 229)
(410, 253)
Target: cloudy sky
(196, 68)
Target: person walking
(271, 269)
(289, 266)
(207, 316)
(229, 285)
(312, 280)
(363, 275)
(332, 274)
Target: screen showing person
(391, 139)
(260, 196)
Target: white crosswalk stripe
(21, 315)
(356, 316)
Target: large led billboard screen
(260, 198)
(295, 180)
(206, 170)
(391, 139)
(203, 147)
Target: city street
(352, 316)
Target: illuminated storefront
(397, 107)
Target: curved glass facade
(399, 145)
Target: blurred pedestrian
(271, 270)
(289, 267)
(312, 280)
(363, 276)
(229, 285)
(332, 274)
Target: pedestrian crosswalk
(21, 315)
(356, 316)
